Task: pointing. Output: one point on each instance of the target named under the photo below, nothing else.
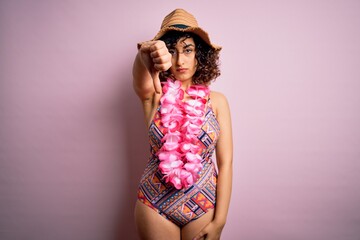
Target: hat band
(182, 26)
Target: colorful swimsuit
(187, 204)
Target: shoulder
(218, 98)
(218, 101)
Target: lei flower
(180, 161)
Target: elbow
(225, 165)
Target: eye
(172, 51)
(188, 51)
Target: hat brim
(196, 30)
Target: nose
(179, 59)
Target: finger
(157, 45)
(148, 43)
(159, 52)
(159, 60)
(146, 46)
(199, 236)
(162, 66)
(161, 57)
(156, 81)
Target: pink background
(73, 140)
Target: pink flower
(193, 167)
(168, 155)
(190, 138)
(173, 125)
(172, 140)
(167, 108)
(190, 180)
(166, 117)
(194, 108)
(186, 178)
(172, 92)
(198, 91)
(195, 120)
(194, 103)
(189, 147)
(192, 129)
(175, 178)
(176, 181)
(179, 156)
(193, 158)
(168, 166)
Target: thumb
(199, 236)
(156, 80)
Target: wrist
(219, 222)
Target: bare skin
(153, 57)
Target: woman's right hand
(156, 58)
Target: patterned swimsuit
(187, 204)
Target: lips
(181, 70)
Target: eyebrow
(186, 44)
(189, 45)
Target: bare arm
(152, 57)
(224, 157)
(142, 80)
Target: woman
(181, 195)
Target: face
(183, 59)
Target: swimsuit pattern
(187, 204)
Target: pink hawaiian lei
(180, 161)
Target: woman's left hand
(211, 231)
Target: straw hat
(181, 20)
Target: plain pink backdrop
(73, 141)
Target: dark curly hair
(207, 57)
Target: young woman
(181, 194)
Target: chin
(183, 78)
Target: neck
(186, 84)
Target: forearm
(223, 193)
(142, 81)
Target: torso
(186, 204)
